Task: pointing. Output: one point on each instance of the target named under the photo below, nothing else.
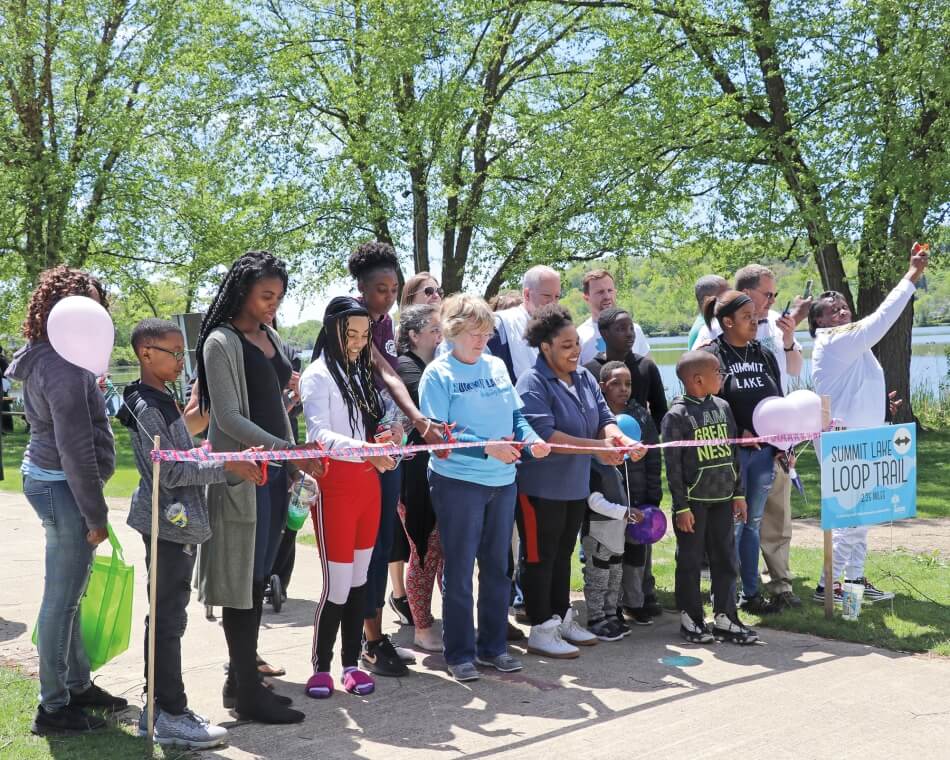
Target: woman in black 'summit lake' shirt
(750, 375)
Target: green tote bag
(106, 607)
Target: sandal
(355, 681)
(269, 670)
(319, 686)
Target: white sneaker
(545, 639)
(187, 730)
(427, 639)
(571, 631)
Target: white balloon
(798, 412)
(81, 331)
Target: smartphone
(787, 308)
(807, 293)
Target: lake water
(928, 364)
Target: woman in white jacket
(845, 369)
(342, 408)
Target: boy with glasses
(149, 409)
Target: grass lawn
(17, 707)
(120, 485)
(909, 623)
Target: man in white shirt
(776, 333)
(541, 285)
(601, 293)
(845, 369)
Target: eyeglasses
(769, 294)
(179, 355)
(722, 372)
(429, 291)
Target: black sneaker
(652, 606)
(640, 616)
(381, 659)
(871, 592)
(622, 626)
(729, 628)
(67, 720)
(95, 696)
(693, 632)
(819, 595)
(400, 605)
(759, 605)
(605, 630)
(786, 600)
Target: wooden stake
(152, 599)
(829, 549)
(829, 580)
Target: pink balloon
(81, 331)
(798, 412)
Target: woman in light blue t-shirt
(473, 489)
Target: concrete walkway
(795, 696)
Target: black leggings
(348, 620)
(241, 627)
(548, 529)
(714, 532)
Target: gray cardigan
(69, 429)
(226, 560)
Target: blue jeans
(272, 501)
(390, 484)
(757, 467)
(64, 665)
(475, 523)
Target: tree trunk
(420, 219)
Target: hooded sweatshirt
(703, 474)
(69, 428)
(183, 510)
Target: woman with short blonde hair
(473, 489)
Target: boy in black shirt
(707, 497)
(642, 483)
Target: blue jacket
(549, 406)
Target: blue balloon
(629, 426)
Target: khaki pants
(776, 532)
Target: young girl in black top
(751, 374)
(242, 371)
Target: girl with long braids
(242, 371)
(68, 459)
(375, 268)
(342, 408)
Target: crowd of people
(536, 399)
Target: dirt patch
(919, 536)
